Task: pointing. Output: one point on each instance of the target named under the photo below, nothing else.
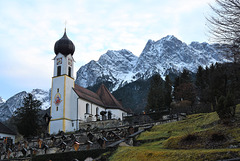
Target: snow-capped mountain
(168, 54)
(43, 96)
(2, 101)
(16, 101)
(113, 66)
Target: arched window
(58, 70)
(69, 71)
(97, 111)
(109, 115)
(87, 108)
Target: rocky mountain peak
(2, 100)
(168, 54)
(13, 103)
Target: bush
(225, 107)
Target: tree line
(202, 92)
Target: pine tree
(200, 82)
(175, 85)
(199, 78)
(155, 100)
(26, 118)
(185, 77)
(167, 91)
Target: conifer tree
(185, 77)
(155, 100)
(26, 118)
(200, 82)
(175, 85)
(167, 91)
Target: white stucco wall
(64, 65)
(55, 126)
(70, 102)
(74, 113)
(82, 115)
(117, 113)
(9, 136)
(58, 83)
(70, 126)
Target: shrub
(225, 107)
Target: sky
(30, 28)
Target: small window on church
(87, 108)
(72, 124)
(69, 71)
(97, 111)
(58, 90)
(58, 70)
(56, 108)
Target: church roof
(5, 130)
(102, 97)
(108, 99)
(87, 95)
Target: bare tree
(224, 25)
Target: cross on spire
(65, 25)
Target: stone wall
(101, 124)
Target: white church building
(72, 104)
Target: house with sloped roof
(72, 104)
(6, 133)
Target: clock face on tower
(70, 62)
(59, 61)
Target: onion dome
(64, 46)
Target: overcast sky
(30, 28)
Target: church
(72, 104)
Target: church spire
(64, 45)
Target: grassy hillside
(198, 137)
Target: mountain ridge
(13, 103)
(164, 56)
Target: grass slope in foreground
(198, 137)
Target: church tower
(62, 86)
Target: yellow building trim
(50, 109)
(64, 104)
(69, 77)
(61, 119)
(63, 75)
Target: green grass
(196, 122)
(151, 154)
(169, 142)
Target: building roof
(64, 45)
(87, 95)
(108, 99)
(5, 130)
(102, 97)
